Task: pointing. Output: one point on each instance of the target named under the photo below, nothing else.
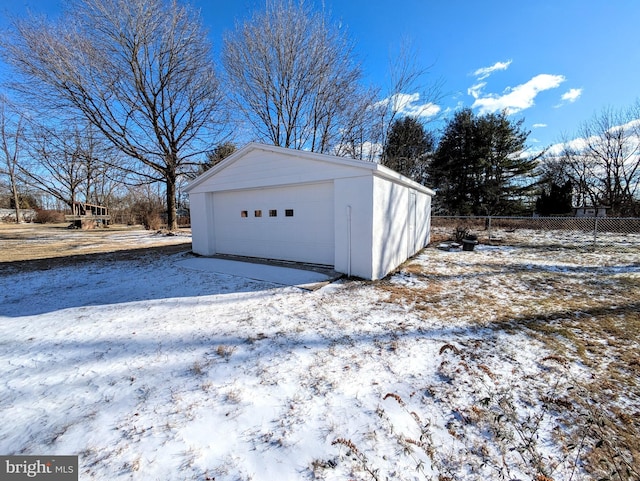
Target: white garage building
(361, 218)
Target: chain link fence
(615, 233)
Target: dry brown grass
(585, 310)
(43, 246)
(605, 340)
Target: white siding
(401, 225)
(260, 168)
(202, 238)
(353, 233)
(423, 221)
(360, 217)
(390, 224)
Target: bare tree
(293, 77)
(103, 167)
(140, 71)
(11, 136)
(359, 134)
(70, 163)
(408, 93)
(570, 165)
(58, 163)
(604, 162)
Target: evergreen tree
(450, 172)
(556, 201)
(217, 155)
(408, 149)
(478, 168)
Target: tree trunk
(172, 221)
(16, 197)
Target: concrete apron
(290, 274)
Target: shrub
(152, 220)
(460, 233)
(45, 216)
(147, 212)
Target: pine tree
(478, 168)
(556, 201)
(408, 149)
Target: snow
(182, 368)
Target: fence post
(595, 232)
(489, 228)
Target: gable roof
(372, 167)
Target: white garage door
(290, 223)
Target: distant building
(590, 211)
(9, 215)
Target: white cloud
(407, 104)
(634, 124)
(476, 90)
(484, 72)
(520, 97)
(572, 95)
(579, 144)
(539, 126)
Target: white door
(290, 223)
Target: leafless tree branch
(140, 71)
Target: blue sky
(554, 63)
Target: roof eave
(376, 168)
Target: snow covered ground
(151, 370)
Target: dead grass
(585, 310)
(43, 246)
